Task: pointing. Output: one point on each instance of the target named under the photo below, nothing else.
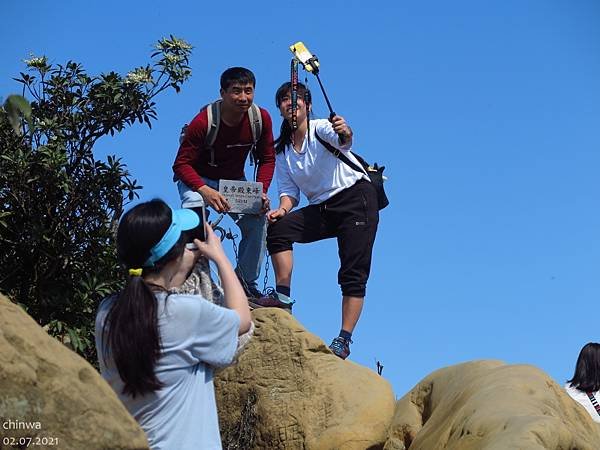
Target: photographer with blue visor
(158, 349)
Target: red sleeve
(188, 154)
(266, 151)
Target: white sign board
(243, 196)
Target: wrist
(284, 210)
(222, 262)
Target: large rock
(487, 405)
(52, 395)
(288, 391)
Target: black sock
(346, 335)
(285, 290)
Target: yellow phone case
(304, 56)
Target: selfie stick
(311, 64)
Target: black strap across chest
(338, 154)
(594, 402)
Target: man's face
(238, 97)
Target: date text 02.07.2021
(25, 442)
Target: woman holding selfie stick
(342, 204)
(157, 350)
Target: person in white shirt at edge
(584, 387)
(342, 204)
(158, 350)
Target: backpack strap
(182, 133)
(213, 111)
(338, 154)
(594, 402)
(255, 118)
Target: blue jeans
(253, 227)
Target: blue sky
(486, 115)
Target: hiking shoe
(250, 288)
(252, 291)
(340, 347)
(272, 299)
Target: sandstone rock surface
(488, 405)
(288, 391)
(62, 397)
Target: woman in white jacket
(584, 387)
(342, 205)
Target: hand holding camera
(211, 246)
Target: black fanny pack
(374, 172)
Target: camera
(198, 232)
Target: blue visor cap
(181, 220)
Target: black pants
(351, 216)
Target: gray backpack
(213, 111)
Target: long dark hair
(285, 134)
(587, 370)
(131, 329)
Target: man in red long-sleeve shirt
(198, 168)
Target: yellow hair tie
(135, 272)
